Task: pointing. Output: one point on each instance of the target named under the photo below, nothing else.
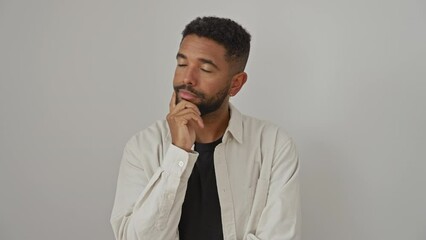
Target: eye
(205, 70)
(181, 65)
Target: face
(202, 74)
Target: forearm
(155, 213)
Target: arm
(281, 216)
(150, 208)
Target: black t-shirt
(201, 217)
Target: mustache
(188, 88)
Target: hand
(183, 118)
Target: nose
(190, 76)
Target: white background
(345, 78)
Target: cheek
(176, 76)
(179, 74)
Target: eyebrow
(203, 60)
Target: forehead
(193, 46)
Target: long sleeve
(148, 206)
(281, 216)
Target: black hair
(226, 32)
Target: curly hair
(226, 32)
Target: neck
(215, 124)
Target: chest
(242, 175)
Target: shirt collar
(235, 126)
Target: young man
(208, 171)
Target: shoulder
(275, 144)
(155, 134)
(264, 129)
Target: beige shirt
(257, 178)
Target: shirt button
(180, 164)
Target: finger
(190, 115)
(186, 111)
(192, 123)
(172, 103)
(200, 122)
(197, 120)
(175, 116)
(183, 104)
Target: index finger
(172, 104)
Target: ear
(237, 82)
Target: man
(208, 171)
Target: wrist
(183, 147)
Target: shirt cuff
(179, 162)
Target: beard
(206, 105)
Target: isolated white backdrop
(345, 78)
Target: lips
(186, 95)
